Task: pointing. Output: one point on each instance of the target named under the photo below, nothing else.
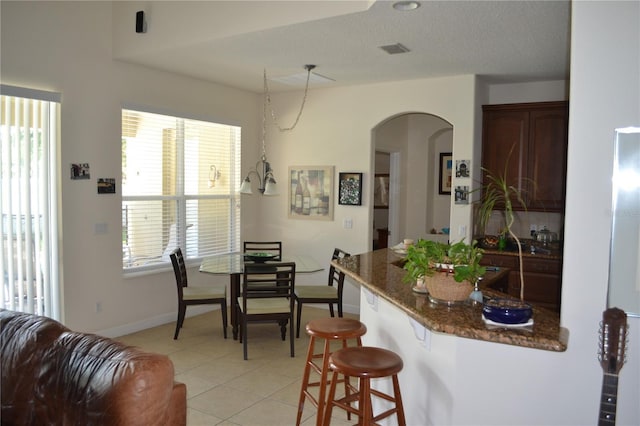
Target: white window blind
(28, 166)
(180, 180)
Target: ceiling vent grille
(393, 49)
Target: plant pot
(507, 311)
(443, 288)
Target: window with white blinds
(180, 180)
(29, 127)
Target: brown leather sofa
(54, 376)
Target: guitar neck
(608, 400)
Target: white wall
(65, 47)
(418, 139)
(336, 129)
(605, 94)
(426, 208)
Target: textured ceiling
(231, 42)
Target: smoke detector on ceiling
(393, 49)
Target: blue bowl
(507, 311)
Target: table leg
(234, 284)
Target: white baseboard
(170, 317)
(146, 323)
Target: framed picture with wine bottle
(311, 192)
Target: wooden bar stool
(329, 329)
(366, 363)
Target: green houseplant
(422, 257)
(448, 271)
(466, 260)
(499, 195)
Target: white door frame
(394, 199)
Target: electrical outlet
(462, 230)
(98, 307)
(348, 223)
(533, 227)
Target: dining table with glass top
(232, 264)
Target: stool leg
(332, 394)
(347, 384)
(398, 397)
(322, 394)
(365, 408)
(305, 380)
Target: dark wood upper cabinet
(530, 141)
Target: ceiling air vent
(392, 49)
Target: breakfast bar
(456, 367)
(380, 272)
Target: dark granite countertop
(377, 272)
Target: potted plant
(423, 257)
(499, 195)
(449, 272)
(466, 259)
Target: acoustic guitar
(613, 337)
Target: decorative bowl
(507, 311)
(489, 242)
(259, 257)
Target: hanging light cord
(273, 114)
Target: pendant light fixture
(263, 170)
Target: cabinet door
(504, 144)
(542, 282)
(540, 289)
(503, 261)
(547, 158)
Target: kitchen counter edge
(377, 272)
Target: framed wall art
(350, 189)
(445, 174)
(381, 191)
(311, 192)
(462, 195)
(463, 168)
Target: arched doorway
(407, 151)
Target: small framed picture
(350, 190)
(462, 169)
(446, 166)
(381, 191)
(106, 186)
(80, 171)
(462, 195)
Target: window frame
(182, 197)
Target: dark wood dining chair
(205, 295)
(330, 293)
(271, 247)
(267, 295)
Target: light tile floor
(223, 388)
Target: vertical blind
(180, 180)
(28, 166)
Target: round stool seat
(366, 361)
(335, 328)
(330, 330)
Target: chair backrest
(268, 281)
(336, 276)
(179, 269)
(273, 247)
